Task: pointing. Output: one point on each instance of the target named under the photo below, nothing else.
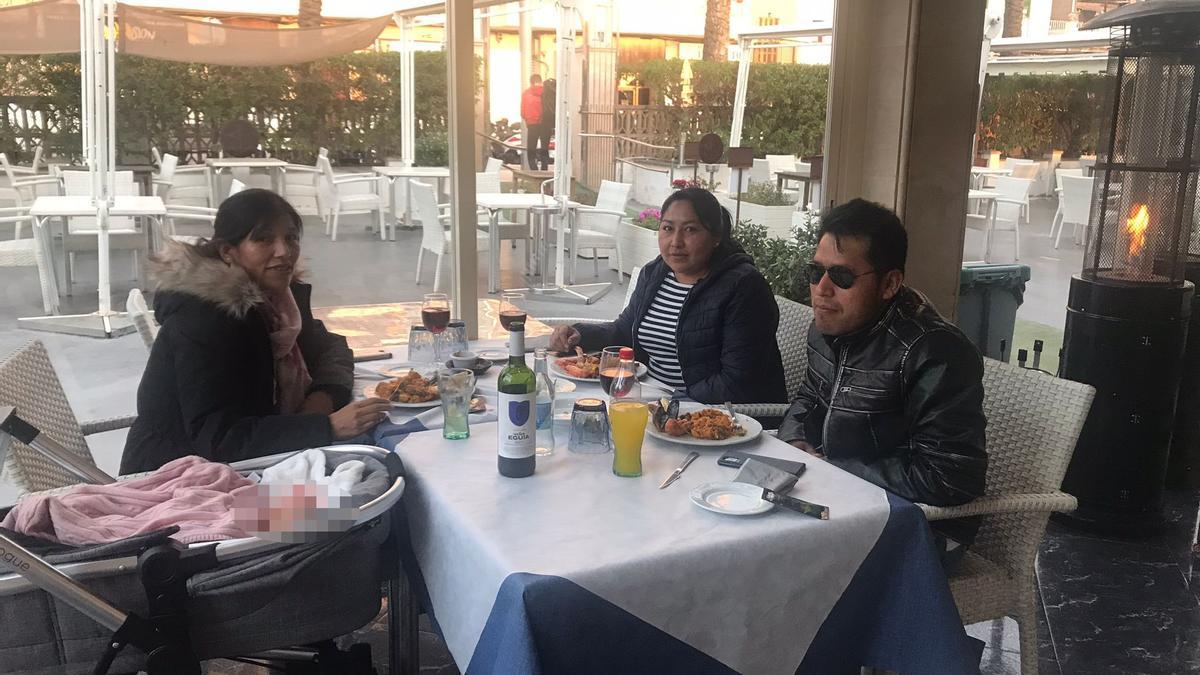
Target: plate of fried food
(410, 390)
(700, 425)
(584, 367)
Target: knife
(679, 471)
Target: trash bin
(988, 298)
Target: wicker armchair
(28, 383)
(1034, 421)
(792, 336)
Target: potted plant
(639, 240)
(764, 204)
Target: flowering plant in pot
(648, 218)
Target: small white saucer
(733, 499)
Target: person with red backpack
(536, 149)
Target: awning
(168, 36)
(46, 27)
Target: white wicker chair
(1034, 421)
(29, 384)
(792, 337)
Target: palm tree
(310, 14)
(716, 30)
(1014, 13)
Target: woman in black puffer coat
(240, 367)
(701, 317)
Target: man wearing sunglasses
(893, 391)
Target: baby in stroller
(242, 580)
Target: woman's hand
(564, 339)
(358, 417)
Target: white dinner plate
(752, 426)
(642, 371)
(731, 499)
(369, 392)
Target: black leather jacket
(899, 404)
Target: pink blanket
(191, 492)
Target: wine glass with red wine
(511, 310)
(435, 312)
(610, 367)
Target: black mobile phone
(735, 460)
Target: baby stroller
(72, 609)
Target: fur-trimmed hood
(181, 268)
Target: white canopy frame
(746, 43)
(98, 37)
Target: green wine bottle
(517, 424)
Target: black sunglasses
(843, 277)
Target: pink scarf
(291, 373)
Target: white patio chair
(778, 163)
(184, 185)
(26, 253)
(301, 187)
(1075, 204)
(1058, 174)
(1033, 423)
(25, 186)
(29, 384)
(435, 238)
(596, 227)
(508, 230)
(1012, 194)
(79, 234)
(235, 186)
(142, 317)
(353, 193)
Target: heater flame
(1136, 226)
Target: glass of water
(455, 386)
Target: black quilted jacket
(726, 334)
(899, 404)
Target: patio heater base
(1126, 341)
(93, 325)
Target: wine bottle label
(517, 425)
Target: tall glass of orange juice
(628, 421)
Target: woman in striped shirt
(702, 317)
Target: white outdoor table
(440, 173)
(979, 174)
(495, 202)
(215, 165)
(105, 322)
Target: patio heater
(1128, 309)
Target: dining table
(215, 165)
(575, 569)
(407, 173)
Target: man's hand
(564, 339)
(317, 402)
(805, 446)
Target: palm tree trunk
(310, 14)
(716, 30)
(1014, 13)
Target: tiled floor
(1109, 606)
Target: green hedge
(348, 103)
(785, 103)
(1030, 115)
(1027, 115)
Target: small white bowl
(463, 359)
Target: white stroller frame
(165, 569)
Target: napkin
(764, 475)
(388, 434)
